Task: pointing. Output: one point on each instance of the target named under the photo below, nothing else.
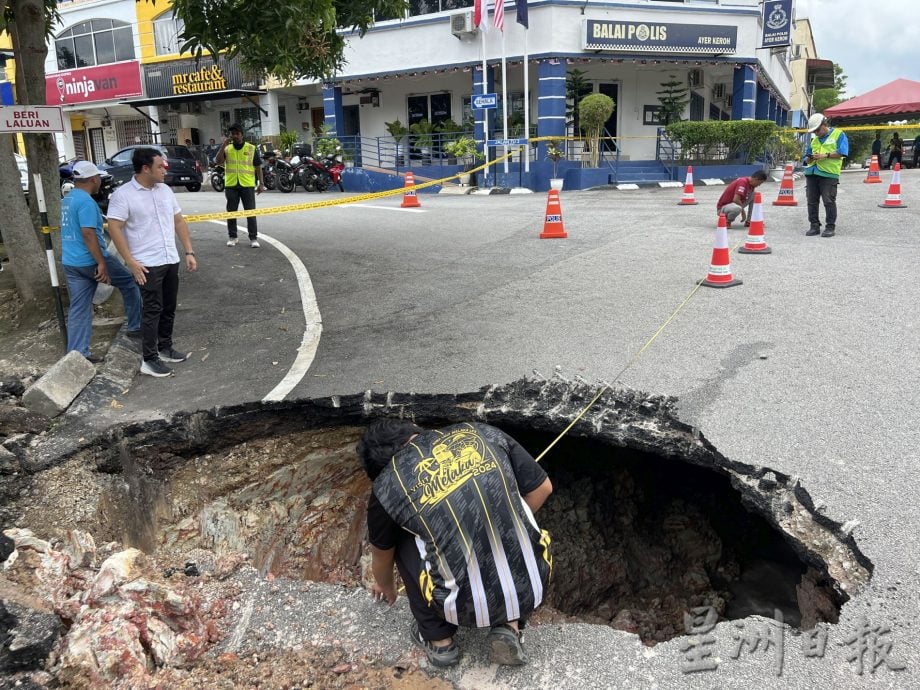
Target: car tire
(194, 187)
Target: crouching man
(454, 510)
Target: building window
(94, 42)
(250, 119)
(434, 107)
(417, 7)
(166, 31)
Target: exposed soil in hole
(639, 539)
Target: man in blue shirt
(823, 162)
(87, 263)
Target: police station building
(429, 65)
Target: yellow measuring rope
(631, 361)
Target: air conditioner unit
(695, 77)
(718, 92)
(462, 24)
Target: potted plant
(464, 149)
(324, 144)
(555, 154)
(423, 138)
(449, 132)
(398, 131)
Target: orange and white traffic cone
(756, 242)
(893, 200)
(688, 199)
(786, 190)
(873, 176)
(720, 268)
(553, 228)
(410, 200)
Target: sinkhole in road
(648, 520)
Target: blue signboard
(6, 93)
(485, 101)
(659, 37)
(777, 23)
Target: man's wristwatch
(190, 253)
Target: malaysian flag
(499, 15)
(480, 15)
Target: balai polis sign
(185, 78)
(657, 37)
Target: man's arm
(117, 232)
(382, 562)
(221, 154)
(257, 167)
(182, 232)
(536, 498)
(92, 244)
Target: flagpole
(526, 105)
(505, 98)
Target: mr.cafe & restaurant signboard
(184, 78)
(94, 84)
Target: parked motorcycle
(285, 175)
(269, 170)
(335, 164)
(312, 175)
(65, 172)
(217, 178)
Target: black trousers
(159, 295)
(431, 625)
(248, 196)
(823, 189)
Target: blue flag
(521, 6)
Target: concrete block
(54, 391)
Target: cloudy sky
(875, 41)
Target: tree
(594, 111)
(673, 98)
(290, 40)
(576, 88)
(825, 98)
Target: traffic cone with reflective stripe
(893, 200)
(553, 229)
(756, 242)
(688, 199)
(873, 176)
(720, 269)
(410, 200)
(786, 191)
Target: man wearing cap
(87, 262)
(823, 162)
(242, 169)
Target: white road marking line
(384, 208)
(313, 322)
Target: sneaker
(828, 232)
(170, 355)
(438, 656)
(155, 367)
(135, 335)
(231, 242)
(254, 244)
(95, 359)
(506, 646)
(812, 232)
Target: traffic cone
(410, 200)
(756, 242)
(893, 200)
(873, 176)
(688, 199)
(553, 228)
(720, 269)
(786, 192)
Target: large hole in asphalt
(641, 533)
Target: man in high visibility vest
(242, 170)
(823, 162)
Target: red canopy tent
(899, 100)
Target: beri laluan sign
(31, 118)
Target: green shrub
(594, 111)
(712, 140)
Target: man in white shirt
(144, 220)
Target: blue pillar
(784, 117)
(550, 101)
(744, 93)
(762, 110)
(771, 111)
(481, 116)
(332, 106)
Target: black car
(65, 171)
(183, 170)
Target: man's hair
(381, 441)
(759, 175)
(144, 156)
(235, 127)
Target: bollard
(49, 252)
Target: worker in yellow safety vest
(242, 171)
(823, 161)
